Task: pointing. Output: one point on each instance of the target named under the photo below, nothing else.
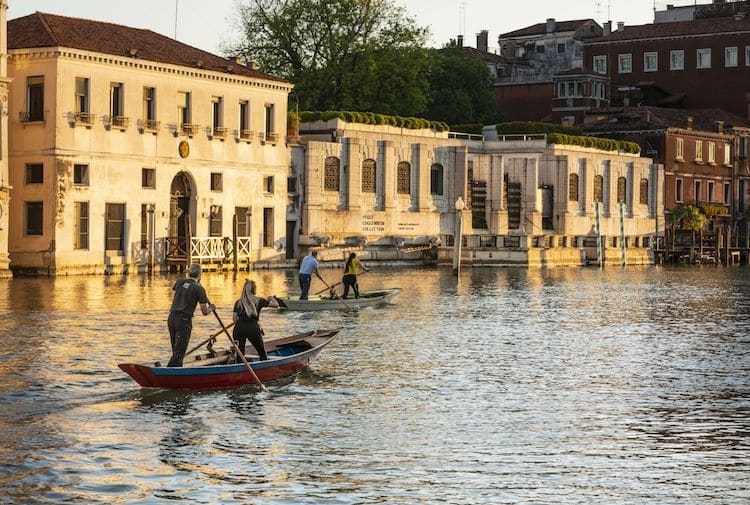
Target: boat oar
(240, 353)
(209, 339)
(339, 282)
(330, 288)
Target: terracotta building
(700, 63)
(129, 148)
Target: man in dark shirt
(187, 294)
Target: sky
(209, 25)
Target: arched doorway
(180, 225)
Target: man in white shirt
(308, 267)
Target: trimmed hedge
(413, 123)
(594, 142)
(473, 129)
(529, 127)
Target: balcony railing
(207, 249)
(246, 135)
(120, 122)
(31, 116)
(189, 129)
(150, 125)
(218, 132)
(272, 137)
(84, 118)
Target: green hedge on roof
(595, 142)
(412, 123)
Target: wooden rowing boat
(286, 357)
(366, 299)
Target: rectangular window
(625, 63)
(678, 191)
(268, 183)
(217, 112)
(216, 181)
(34, 99)
(560, 48)
(81, 175)
(116, 100)
(81, 239)
(703, 58)
(711, 195)
(730, 56)
(149, 106)
(698, 150)
(697, 187)
(727, 193)
(679, 149)
(268, 227)
(743, 144)
(34, 173)
(677, 60)
(269, 127)
(650, 62)
(144, 225)
(244, 116)
(711, 153)
(114, 234)
(34, 212)
(747, 56)
(598, 90)
(242, 215)
(600, 64)
(148, 178)
(215, 221)
(82, 95)
(727, 154)
(291, 185)
(184, 114)
(741, 196)
(436, 179)
(540, 49)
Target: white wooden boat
(366, 299)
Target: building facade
(527, 202)
(701, 63)
(4, 175)
(129, 149)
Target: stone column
(420, 178)
(385, 176)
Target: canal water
(510, 386)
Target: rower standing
(188, 293)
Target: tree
(363, 55)
(461, 89)
(689, 218)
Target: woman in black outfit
(246, 314)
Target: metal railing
(207, 249)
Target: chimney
(236, 59)
(647, 116)
(551, 25)
(620, 26)
(720, 126)
(690, 122)
(460, 41)
(252, 65)
(483, 40)
(607, 28)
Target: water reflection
(508, 386)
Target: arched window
(368, 176)
(644, 192)
(403, 178)
(598, 188)
(331, 174)
(436, 179)
(573, 187)
(622, 185)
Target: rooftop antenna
(176, 2)
(462, 18)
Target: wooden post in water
(151, 237)
(234, 243)
(188, 242)
(457, 239)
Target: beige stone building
(527, 202)
(128, 147)
(4, 178)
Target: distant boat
(287, 356)
(366, 299)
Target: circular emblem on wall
(184, 149)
